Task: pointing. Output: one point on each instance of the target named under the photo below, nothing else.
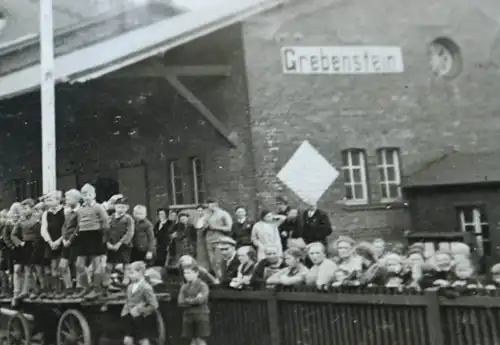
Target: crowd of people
(72, 246)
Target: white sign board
(308, 174)
(342, 60)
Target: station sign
(342, 60)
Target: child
(246, 256)
(144, 241)
(341, 277)
(188, 260)
(51, 232)
(185, 236)
(89, 244)
(9, 252)
(118, 237)
(438, 272)
(23, 236)
(141, 305)
(395, 275)
(4, 263)
(68, 233)
(465, 279)
(193, 297)
(494, 283)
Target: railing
(375, 317)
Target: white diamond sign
(308, 174)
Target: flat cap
(226, 240)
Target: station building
(401, 98)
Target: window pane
(356, 173)
(485, 231)
(358, 191)
(487, 248)
(179, 198)
(483, 217)
(468, 218)
(384, 191)
(348, 192)
(470, 228)
(383, 178)
(356, 160)
(347, 176)
(393, 191)
(197, 166)
(201, 197)
(389, 157)
(391, 174)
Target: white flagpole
(48, 96)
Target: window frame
(479, 219)
(196, 190)
(363, 168)
(172, 182)
(382, 155)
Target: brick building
(380, 127)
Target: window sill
(183, 207)
(375, 207)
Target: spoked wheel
(19, 330)
(158, 336)
(73, 329)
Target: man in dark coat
(316, 226)
(229, 263)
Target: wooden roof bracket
(202, 109)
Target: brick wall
(414, 111)
(105, 124)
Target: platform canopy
(91, 41)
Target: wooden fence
(315, 318)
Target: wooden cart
(72, 322)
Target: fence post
(273, 317)
(433, 316)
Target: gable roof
(457, 169)
(107, 42)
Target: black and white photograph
(249, 172)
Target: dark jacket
(316, 228)
(259, 277)
(27, 230)
(229, 270)
(242, 232)
(290, 228)
(193, 297)
(144, 237)
(121, 229)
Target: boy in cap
(51, 232)
(118, 237)
(89, 244)
(68, 233)
(229, 261)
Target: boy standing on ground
(193, 297)
(144, 241)
(140, 306)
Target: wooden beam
(199, 71)
(158, 70)
(204, 111)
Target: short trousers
(195, 325)
(40, 254)
(24, 255)
(140, 327)
(138, 255)
(120, 256)
(89, 243)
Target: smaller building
(458, 193)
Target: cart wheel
(73, 329)
(18, 330)
(158, 336)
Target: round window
(445, 58)
(3, 21)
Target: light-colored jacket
(142, 297)
(266, 234)
(322, 274)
